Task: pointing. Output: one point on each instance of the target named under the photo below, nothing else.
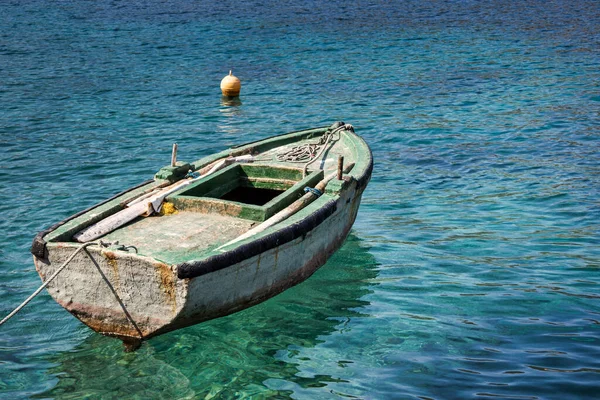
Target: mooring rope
(54, 275)
(307, 153)
(299, 154)
(326, 138)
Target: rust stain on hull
(106, 321)
(111, 259)
(167, 284)
(115, 314)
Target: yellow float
(231, 85)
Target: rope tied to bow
(299, 154)
(307, 153)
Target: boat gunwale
(302, 131)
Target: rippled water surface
(472, 270)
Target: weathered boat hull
(265, 275)
(135, 297)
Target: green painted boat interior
(248, 191)
(214, 210)
(181, 236)
(219, 207)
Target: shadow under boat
(202, 358)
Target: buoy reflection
(229, 101)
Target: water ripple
(471, 270)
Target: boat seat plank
(181, 236)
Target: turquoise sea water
(472, 270)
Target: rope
(327, 136)
(299, 154)
(54, 275)
(309, 152)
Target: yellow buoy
(231, 85)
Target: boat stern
(114, 292)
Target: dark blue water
(473, 269)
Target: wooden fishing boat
(206, 239)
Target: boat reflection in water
(231, 356)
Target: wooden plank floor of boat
(179, 237)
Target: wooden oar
(128, 214)
(290, 210)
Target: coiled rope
(54, 275)
(299, 154)
(326, 138)
(309, 152)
